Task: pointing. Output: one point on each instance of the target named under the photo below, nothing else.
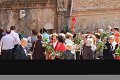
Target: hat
(89, 42)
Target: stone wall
(96, 13)
(37, 15)
(47, 13)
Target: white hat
(89, 42)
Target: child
(68, 55)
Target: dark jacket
(87, 53)
(20, 53)
(67, 55)
(107, 51)
(38, 51)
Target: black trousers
(77, 55)
(13, 51)
(7, 55)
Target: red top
(60, 47)
(117, 35)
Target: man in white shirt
(16, 37)
(6, 46)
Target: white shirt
(16, 37)
(113, 45)
(7, 42)
(69, 41)
(25, 50)
(29, 38)
(54, 44)
(93, 47)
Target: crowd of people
(96, 45)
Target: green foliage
(117, 51)
(100, 46)
(45, 39)
(67, 29)
(77, 40)
(105, 34)
(48, 47)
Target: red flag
(73, 23)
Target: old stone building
(33, 14)
(54, 14)
(96, 13)
(28, 14)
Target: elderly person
(54, 42)
(114, 44)
(54, 39)
(21, 53)
(68, 55)
(109, 48)
(87, 51)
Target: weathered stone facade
(96, 13)
(38, 14)
(54, 14)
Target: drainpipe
(70, 14)
(71, 8)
